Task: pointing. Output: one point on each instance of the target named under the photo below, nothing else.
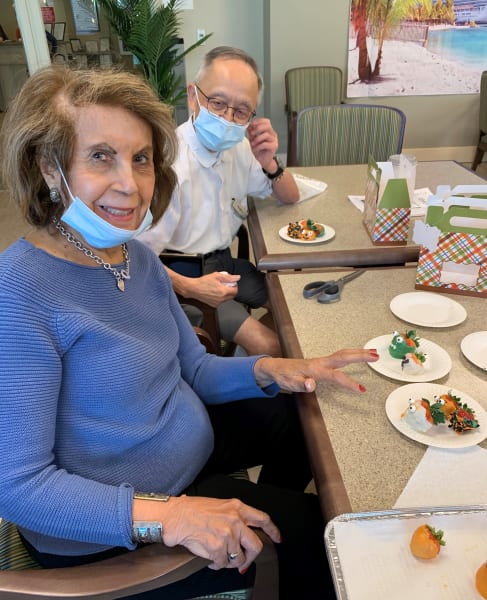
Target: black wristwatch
(277, 174)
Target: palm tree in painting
(376, 19)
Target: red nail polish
(362, 388)
(243, 571)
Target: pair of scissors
(329, 291)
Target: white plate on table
(474, 348)
(428, 309)
(439, 361)
(439, 436)
(328, 235)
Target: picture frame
(104, 45)
(75, 44)
(58, 31)
(91, 46)
(85, 17)
(122, 50)
(105, 61)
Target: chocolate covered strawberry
(426, 542)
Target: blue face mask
(95, 230)
(216, 133)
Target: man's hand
(213, 289)
(264, 143)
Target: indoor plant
(150, 31)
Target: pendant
(121, 284)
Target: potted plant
(150, 31)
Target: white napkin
(447, 478)
(308, 188)
(418, 207)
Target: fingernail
(243, 571)
(362, 388)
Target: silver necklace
(120, 275)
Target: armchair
(144, 569)
(347, 134)
(308, 86)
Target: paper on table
(308, 188)
(418, 208)
(449, 477)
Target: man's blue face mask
(216, 133)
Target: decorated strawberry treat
(305, 229)
(426, 542)
(422, 416)
(405, 347)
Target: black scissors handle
(316, 287)
(329, 291)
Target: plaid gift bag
(387, 209)
(453, 256)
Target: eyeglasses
(241, 115)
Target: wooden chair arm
(144, 569)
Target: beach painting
(416, 47)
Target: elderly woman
(112, 413)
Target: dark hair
(229, 53)
(39, 123)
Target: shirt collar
(205, 157)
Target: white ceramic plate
(474, 348)
(328, 235)
(438, 365)
(428, 309)
(439, 436)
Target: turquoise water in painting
(468, 45)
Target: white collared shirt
(210, 201)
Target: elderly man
(225, 154)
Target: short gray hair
(230, 53)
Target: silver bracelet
(147, 532)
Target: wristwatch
(148, 532)
(274, 177)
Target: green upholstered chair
(346, 134)
(309, 86)
(482, 143)
(144, 569)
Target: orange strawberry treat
(481, 580)
(426, 542)
(305, 229)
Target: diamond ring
(233, 555)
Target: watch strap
(278, 173)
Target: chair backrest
(346, 134)
(308, 86)
(483, 102)
(312, 86)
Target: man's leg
(238, 326)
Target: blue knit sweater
(101, 393)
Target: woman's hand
(302, 375)
(215, 529)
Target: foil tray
(465, 519)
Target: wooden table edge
(326, 472)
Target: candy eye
(399, 339)
(438, 399)
(412, 408)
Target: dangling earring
(54, 195)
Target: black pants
(264, 431)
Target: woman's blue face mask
(95, 230)
(216, 133)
